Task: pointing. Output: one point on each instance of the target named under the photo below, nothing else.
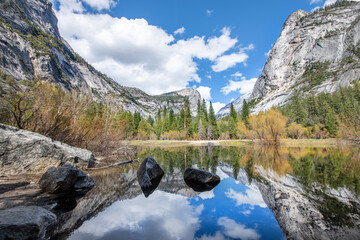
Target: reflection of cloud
(235, 230)
(207, 195)
(168, 214)
(217, 236)
(251, 197)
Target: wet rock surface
(65, 179)
(24, 152)
(149, 175)
(200, 180)
(25, 222)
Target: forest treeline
(75, 118)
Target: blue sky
(217, 47)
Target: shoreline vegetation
(102, 126)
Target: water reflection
(320, 186)
(231, 210)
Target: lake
(264, 193)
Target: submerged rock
(149, 175)
(23, 151)
(200, 180)
(66, 178)
(25, 222)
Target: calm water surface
(234, 209)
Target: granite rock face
(23, 151)
(31, 47)
(21, 223)
(326, 42)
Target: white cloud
(100, 4)
(137, 54)
(329, 2)
(315, 1)
(227, 61)
(237, 75)
(237, 231)
(207, 195)
(217, 106)
(209, 12)
(243, 87)
(233, 99)
(171, 218)
(204, 92)
(179, 31)
(251, 197)
(218, 236)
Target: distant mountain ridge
(315, 52)
(31, 47)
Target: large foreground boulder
(23, 151)
(200, 180)
(25, 222)
(64, 179)
(149, 175)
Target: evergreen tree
(187, 117)
(150, 120)
(213, 123)
(204, 109)
(330, 123)
(232, 128)
(172, 119)
(298, 111)
(181, 120)
(233, 113)
(137, 119)
(245, 113)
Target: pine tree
(213, 123)
(187, 118)
(245, 113)
(232, 128)
(233, 113)
(299, 112)
(204, 109)
(330, 123)
(150, 120)
(172, 119)
(181, 120)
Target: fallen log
(115, 165)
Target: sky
(217, 47)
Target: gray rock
(24, 151)
(66, 178)
(200, 180)
(25, 222)
(149, 175)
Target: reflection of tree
(327, 167)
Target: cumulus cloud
(204, 92)
(137, 54)
(250, 197)
(179, 31)
(243, 87)
(227, 61)
(100, 4)
(237, 231)
(171, 218)
(217, 106)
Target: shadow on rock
(199, 180)
(149, 175)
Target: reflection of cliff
(310, 213)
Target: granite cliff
(315, 52)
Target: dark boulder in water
(149, 175)
(65, 179)
(200, 180)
